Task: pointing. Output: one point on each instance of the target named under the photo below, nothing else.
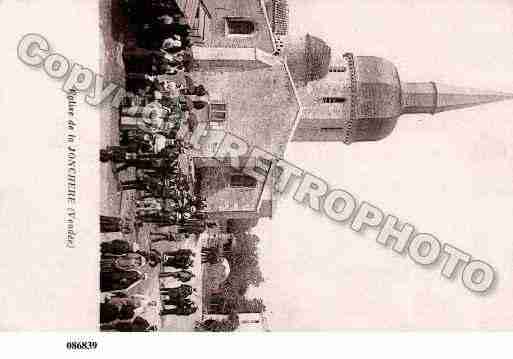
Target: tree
(240, 225)
(229, 324)
(244, 271)
(254, 305)
(244, 267)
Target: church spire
(365, 100)
(429, 97)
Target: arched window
(239, 26)
(333, 99)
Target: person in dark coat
(118, 154)
(177, 293)
(183, 311)
(162, 192)
(158, 164)
(137, 163)
(179, 262)
(189, 104)
(178, 302)
(188, 62)
(139, 324)
(116, 247)
(192, 122)
(211, 255)
(191, 89)
(192, 226)
(146, 183)
(109, 224)
(136, 140)
(165, 218)
(119, 280)
(153, 257)
(153, 35)
(178, 255)
(110, 312)
(139, 11)
(180, 252)
(161, 237)
(182, 275)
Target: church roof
(308, 58)
(318, 57)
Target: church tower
(360, 98)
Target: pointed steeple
(429, 97)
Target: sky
(448, 175)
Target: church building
(269, 88)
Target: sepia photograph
(193, 157)
(327, 174)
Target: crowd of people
(122, 267)
(162, 104)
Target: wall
(261, 104)
(262, 110)
(215, 187)
(251, 9)
(323, 121)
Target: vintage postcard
(257, 165)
